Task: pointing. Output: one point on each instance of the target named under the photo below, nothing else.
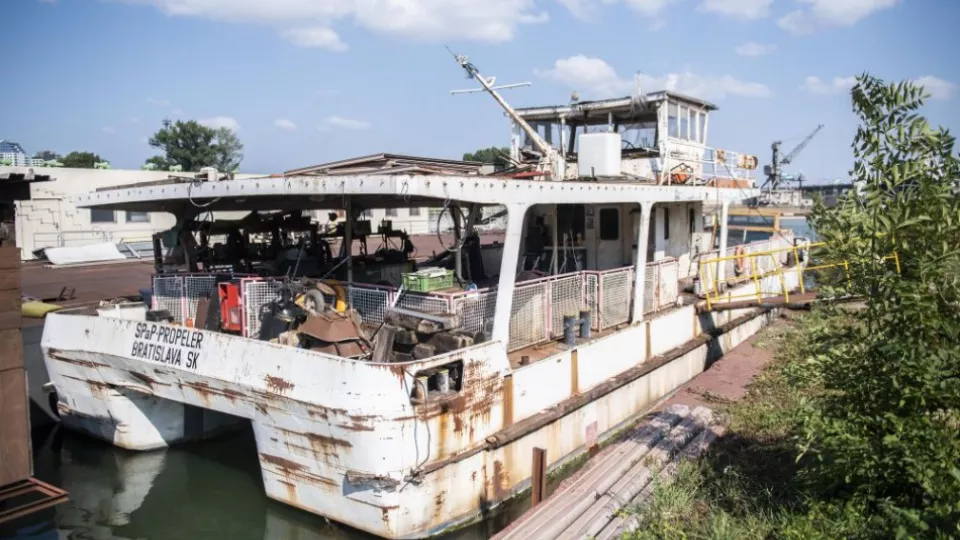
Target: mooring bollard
(569, 330)
(585, 321)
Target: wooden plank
(10, 300)
(9, 257)
(15, 462)
(11, 320)
(10, 279)
(11, 349)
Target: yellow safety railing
(712, 289)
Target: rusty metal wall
(15, 460)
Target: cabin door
(609, 242)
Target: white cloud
(595, 78)
(344, 123)
(159, 102)
(816, 14)
(740, 9)
(936, 87)
(587, 9)
(752, 48)
(218, 122)
(109, 130)
(176, 112)
(432, 20)
(817, 85)
(285, 124)
(317, 37)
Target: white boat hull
(341, 438)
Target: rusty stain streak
(95, 386)
(162, 372)
(277, 385)
(310, 452)
(82, 363)
(507, 400)
(500, 481)
(205, 391)
(438, 501)
(291, 489)
(149, 381)
(293, 469)
(318, 438)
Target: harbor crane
(774, 171)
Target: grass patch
(748, 485)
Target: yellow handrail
(711, 289)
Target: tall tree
(185, 143)
(492, 156)
(229, 150)
(81, 160)
(886, 428)
(46, 155)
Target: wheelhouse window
(673, 126)
(413, 211)
(684, 122)
(390, 212)
(102, 216)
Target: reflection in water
(204, 490)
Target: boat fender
(740, 261)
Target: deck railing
(536, 315)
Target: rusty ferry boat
(405, 400)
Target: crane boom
(803, 144)
(551, 160)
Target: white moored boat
(424, 415)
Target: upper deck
(658, 137)
(387, 191)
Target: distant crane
(774, 171)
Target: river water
(210, 489)
(203, 490)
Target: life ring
(739, 263)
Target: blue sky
(308, 81)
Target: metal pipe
(348, 240)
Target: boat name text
(169, 345)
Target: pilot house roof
(624, 108)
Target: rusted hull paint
(341, 438)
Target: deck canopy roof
(390, 163)
(385, 191)
(625, 109)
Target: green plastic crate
(421, 282)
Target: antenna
(551, 161)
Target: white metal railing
(536, 314)
(705, 163)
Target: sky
(309, 81)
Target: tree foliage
(492, 156)
(47, 155)
(192, 146)
(80, 160)
(885, 430)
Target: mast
(551, 161)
